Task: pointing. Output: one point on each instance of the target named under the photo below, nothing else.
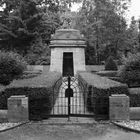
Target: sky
(134, 9)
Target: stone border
(18, 125)
(126, 128)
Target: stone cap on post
(67, 38)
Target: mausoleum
(67, 52)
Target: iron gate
(70, 101)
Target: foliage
(40, 93)
(12, 66)
(134, 97)
(26, 25)
(39, 54)
(104, 28)
(131, 68)
(107, 73)
(99, 89)
(131, 41)
(110, 64)
(24, 21)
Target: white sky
(134, 9)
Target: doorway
(68, 64)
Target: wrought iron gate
(70, 101)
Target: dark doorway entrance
(68, 64)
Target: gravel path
(43, 131)
(135, 125)
(4, 126)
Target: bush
(134, 97)
(110, 64)
(40, 91)
(12, 66)
(131, 69)
(39, 54)
(99, 90)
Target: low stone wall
(3, 116)
(135, 113)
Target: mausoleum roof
(67, 38)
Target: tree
(22, 21)
(131, 36)
(20, 18)
(103, 26)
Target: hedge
(40, 92)
(107, 73)
(110, 64)
(130, 71)
(98, 91)
(134, 97)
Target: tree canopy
(26, 26)
(104, 25)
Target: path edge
(126, 128)
(10, 128)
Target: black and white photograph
(69, 69)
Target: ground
(45, 131)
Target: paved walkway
(77, 102)
(71, 120)
(43, 131)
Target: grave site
(76, 96)
(72, 76)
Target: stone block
(134, 113)
(3, 116)
(119, 107)
(18, 109)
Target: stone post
(119, 107)
(18, 109)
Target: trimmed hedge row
(39, 90)
(98, 91)
(107, 73)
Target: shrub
(39, 54)
(134, 97)
(131, 68)
(12, 65)
(110, 64)
(99, 90)
(40, 91)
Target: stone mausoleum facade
(67, 52)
